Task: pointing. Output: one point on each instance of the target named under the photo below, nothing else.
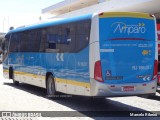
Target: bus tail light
(98, 71)
(155, 73)
(158, 79)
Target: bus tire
(11, 76)
(15, 82)
(51, 91)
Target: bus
(105, 54)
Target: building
(70, 8)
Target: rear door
(127, 48)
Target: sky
(21, 12)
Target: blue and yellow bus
(106, 54)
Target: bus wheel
(15, 82)
(11, 76)
(51, 86)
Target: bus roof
(51, 23)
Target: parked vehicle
(100, 55)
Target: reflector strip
(106, 50)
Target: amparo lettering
(128, 29)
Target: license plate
(128, 88)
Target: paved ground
(29, 98)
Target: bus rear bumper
(114, 90)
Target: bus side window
(43, 45)
(33, 41)
(24, 42)
(53, 38)
(69, 38)
(68, 41)
(82, 35)
(37, 40)
(14, 43)
(5, 46)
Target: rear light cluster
(155, 73)
(158, 79)
(98, 71)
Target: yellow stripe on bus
(58, 80)
(27, 74)
(125, 14)
(73, 82)
(5, 70)
(23, 73)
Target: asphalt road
(30, 98)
